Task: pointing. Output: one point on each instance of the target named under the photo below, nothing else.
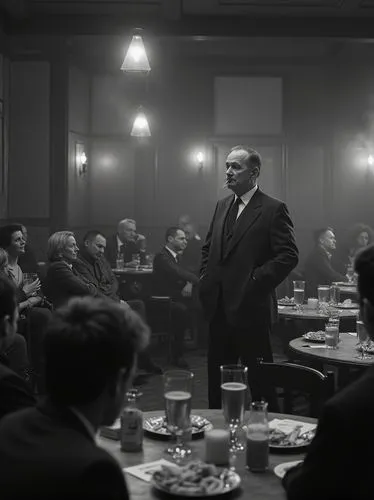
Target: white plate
(232, 482)
(352, 305)
(157, 426)
(318, 337)
(281, 469)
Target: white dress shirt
(174, 254)
(246, 198)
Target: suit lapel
(246, 219)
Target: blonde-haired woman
(62, 281)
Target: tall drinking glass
(363, 338)
(334, 295)
(323, 298)
(299, 293)
(234, 388)
(350, 273)
(178, 394)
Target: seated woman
(15, 393)
(62, 281)
(358, 237)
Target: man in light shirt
(50, 451)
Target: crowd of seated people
(358, 237)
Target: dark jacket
(319, 271)
(47, 453)
(339, 462)
(128, 250)
(63, 282)
(27, 261)
(98, 272)
(260, 255)
(169, 277)
(191, 257)
(15, 394)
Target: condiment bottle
(258, 437)
(132, 424)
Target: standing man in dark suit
(49, 452)
(318, 269)
(171, 279)
(127, 243)
(339, 462)
(249, 250)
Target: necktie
(232, 216)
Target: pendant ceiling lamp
(136, 59)
(140, 126)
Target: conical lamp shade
(140, 127)
(136, 57)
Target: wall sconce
(136, 59)
(140, 126)
(200, 159)
(81, 160)
(370, 160)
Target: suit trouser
(228, 343)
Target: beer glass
(363, 338)
(177, 395)
(299, 293)
(234, 388)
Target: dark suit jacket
(15, 394)
(261, 254)
(319, 271)
(191, 257)
(63, 282)
(168, 277)
(130, 248)
(98, 272)
(339, 462)
(27, 261)
(47, 453)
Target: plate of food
(368, 347)
(158, 427)
(290, 435)
(344, 283)
(281, 469)
(287, 301)
(318, 336)
(196, 479)
(347, 304)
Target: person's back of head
(364, 267)
(91, 348)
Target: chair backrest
(293, 378)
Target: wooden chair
(294, 380)
(159, 318)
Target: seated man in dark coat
(338, 465)
(125, 244)
(171, 279)
(191, 257)
(318, 269)
(15, 393)
(49, 452)
(92, 265)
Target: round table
(343, 356)
(135, 283)
(133, 271)
(259, 486)
(306, 313)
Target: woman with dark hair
(15, 393)
(358, 237)
(62, 281)
(12, 240)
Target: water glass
(120, 262)
(258, 437)
(363, 338)
(178, 395)
(234, 389)
(334, 295)
(299, 293)
(350, 273)
(29, 278)
(136, 259)
(331, 335)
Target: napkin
(145, 471)
(287, 425)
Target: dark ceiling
(329, 18)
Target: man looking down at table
(49, 452)
(339, 461)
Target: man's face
(363, 239)
(239, 177)
(96, 247)
(179, 241)
(328, 241)
(127, 232)
(17, 245)
(189, 231)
